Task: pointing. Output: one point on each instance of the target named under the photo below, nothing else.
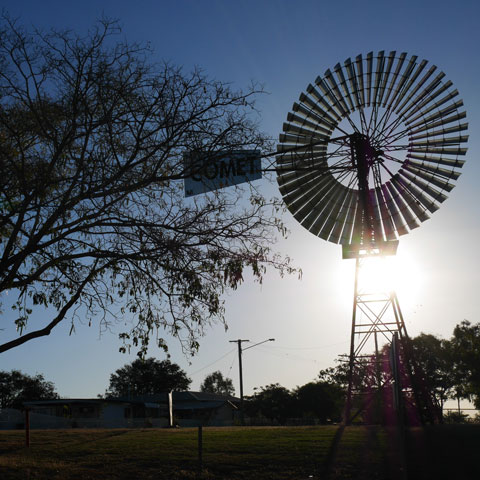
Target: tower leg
(351, 361)
(377, 317)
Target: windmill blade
(455, 162)
(372, 148)
(323, 224)
(289, 165)
(343, 83)
(328, 97)
(284, 148)
(428, 203)
(410, 200)
(434, 150)
(347, 231)
(441, 141)
(317, 118)
(304, 131)
(352, 80)
(395, 75)
(402, 206)
(442, 132)
(300, 139)
(291, 181)
(369, 77)
(398, 221)
(306, 209)
(437, 116)
(403, 79)
(407, 89)
(326, 117)
(436, 195)
(435, 170)
(336, 91)
(305, 122)
(359, 69)
(386, 76)
(376, 216)
(430, 106)
(358, 229)
(300, 161)
(341, 222)
(387, 222)
(379, 71)
(414, 105)
(411, 92)
(303, 192)
(430, 178)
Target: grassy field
(442, 452)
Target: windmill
(369, 151)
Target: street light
(239, 343)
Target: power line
(291, 356)
(231, 366)
(309, 348)
(213, 363)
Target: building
(189, 409)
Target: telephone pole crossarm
(240, 369)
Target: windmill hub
(364, 154)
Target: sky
(285, 45)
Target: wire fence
(11, 419)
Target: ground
(244, 453)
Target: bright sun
(400, 273)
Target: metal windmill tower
(367, 154)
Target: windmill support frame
(382, 317)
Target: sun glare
(400, 273)
(408, 279)
(375, 275)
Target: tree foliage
(446, 368)
(433, 357)
(320, 400)
(93, 220)
(217, 383)
(274, 402)
(465, 346)
(17, 387)
(147, 377)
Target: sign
(221, 170)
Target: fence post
(27, 427)
(200, 448)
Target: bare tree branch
(93, 219)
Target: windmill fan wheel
(371, 148)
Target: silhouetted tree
(465, 345)
(433, 356)
(337, 375)
(274, 402)
(217, 383)
(145, 377)
(320, 400)
(17, 387)
(93, 219)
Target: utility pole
(239, 343)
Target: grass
(276, 453)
